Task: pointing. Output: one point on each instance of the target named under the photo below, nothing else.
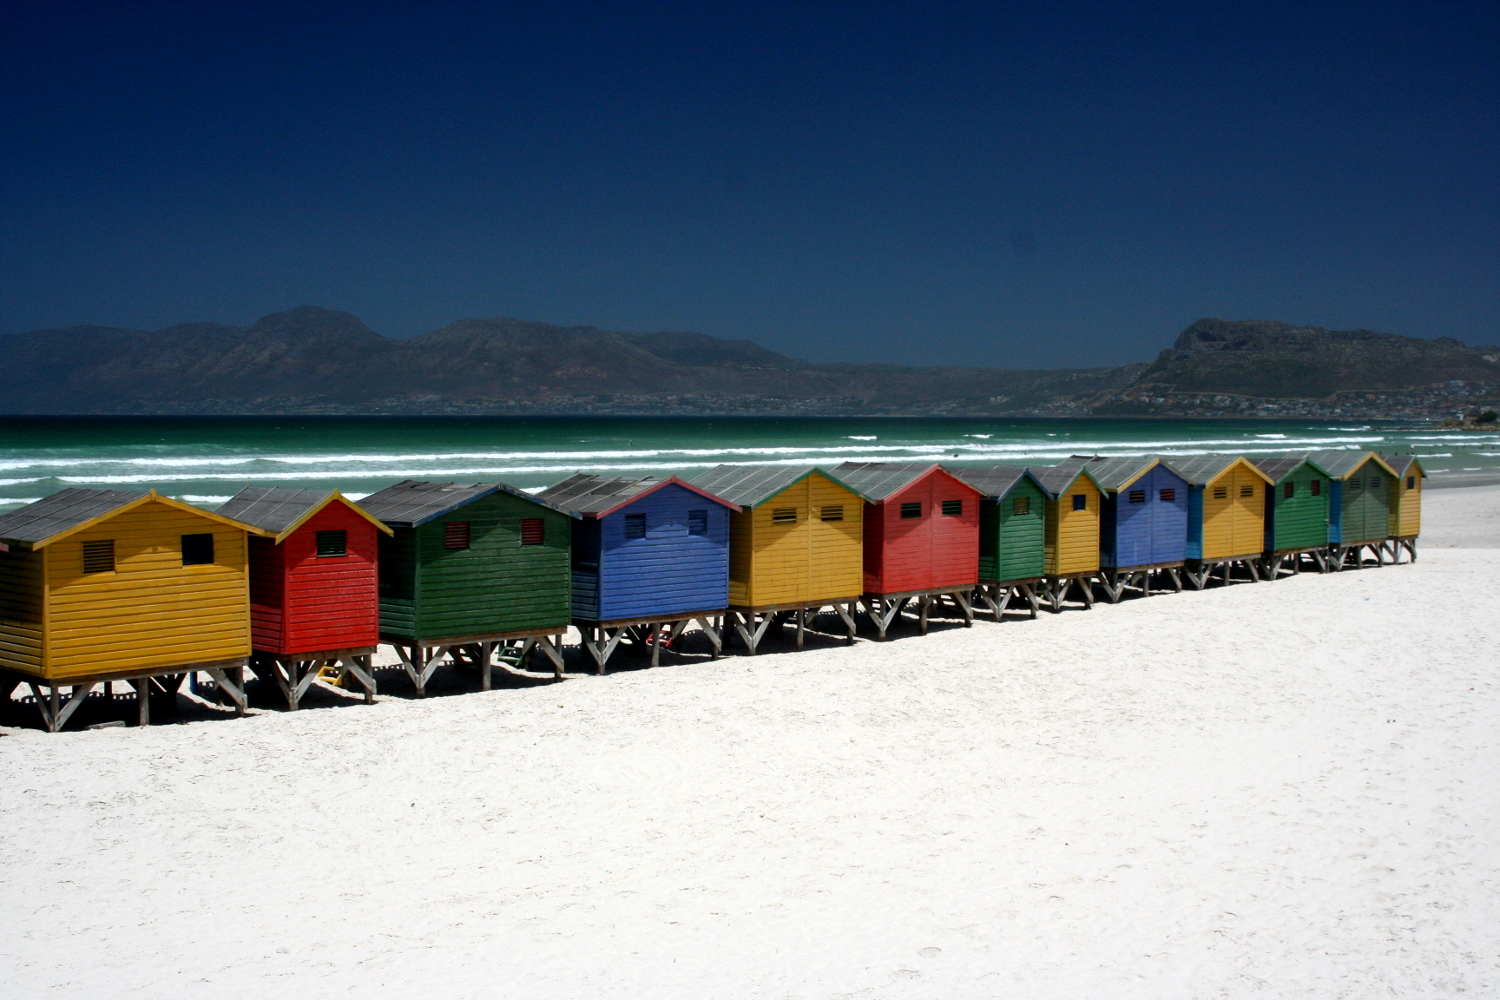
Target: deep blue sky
(1014, 185)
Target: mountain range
(312, 360)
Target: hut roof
(281, 510)
(1119, 472)
(752, 485)
(996, 480)
(595, 496)
(881, 480)
(1340, 463)
(1200, 470)
(1056, 478)
(1403, 464)
(66, 511)
(1278, 467)
(410, 503)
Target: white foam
(1440, 454)
(1270, 435)
(194, 498)
(17, 482)
(863, 437)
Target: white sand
(1275, 790)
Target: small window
(833, 512)
(1247, 491)
(697, 522)
(1354, 484)
(534, 529)
(635, 526)
(953, 508)
(1411, 482)
(1289, 490)
(911, 510)
(1374, 482)
(455, 535)
(784, 515)
(1080, 501)
(1316, 487)
(1137, 496)
(1020, 505)
(1169, 495)
(1221, 492)
(333, 543)
(197, 550)
(99, 557)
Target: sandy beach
(1272, 790)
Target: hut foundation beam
(360, 671)
(55, 711)
(142, 687)
(226, 684)
(419, 663)
(749, 632)
(882, 612)
(551, 647)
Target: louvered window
(1411, 482)
(833, 512)
(784, 515)
(455, 535)
(635, 526)
(1020, 505)
(333, 543)
(1137, 496)
(534, 530)
(99, 557)
(1247, 491)
(1169, 495)
(911, 510)
(1080, 501)
(1354, 484)
(1317, 487)
(1221, 492)
(953, 508)
(697, 522)
(1289, 490)
(197, 550)
(1374, 482)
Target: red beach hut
(921, 538)
(313, 586)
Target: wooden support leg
(801, 614)
(227, 686)
(966, 603)
(846, 612)
(655, 644)
(55, 712)
(924, 605)
(142, 701)
(710, 628)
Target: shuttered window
(953, 508)
(197, 550)
(333, 543)
(1374, 482)
(635, 526)
(1411, 482)
(1169, 495)
(534, 530)
(99, 557)
(697, 522)
(1289, 490)
(1080, 501)
(1020, 505)
(1221, 492)
(833, 512)
(1137, 496)
(1317, 487)
(911, 510)
(784, 515)
(1354, 484)
(455, 534)
(1247, 491)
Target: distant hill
(314, 360)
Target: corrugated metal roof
(749, 485)
(1201, 469)
(65, 509)
(1340, 464)
(1277, 468)
(411, 503)
(993, 480)
(1403, 463)
(583, 493)
(880, 480)
(1119, 472)
(1056, 478)
(273, 508)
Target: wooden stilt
(143, 701)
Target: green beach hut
(1296, 513)
(1012, 534)
(1359, 505)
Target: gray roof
(751, 485)
(411, 503)
(1056, 478)
(1116, 473)
(1200, 469)
(65, 509)
(586, 494)
(994, 480)
(879, 480)
(1339, 463)
(1277, 468)
(273, 508)
(1403, 463)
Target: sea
(205, 460)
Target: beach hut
(1406, 505)
(313, 587)
(1226, 516)
(98, 586)
(1359, 507)
(1072, 539)
(1143, 516)
(796, 546)
(921, 539)
(468, 569)
(1012, 534)
(650, 558)
(1296, 513)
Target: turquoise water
(206, 460)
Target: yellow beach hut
(1226, 515)
(100, 585)
(1406, 505)
(796, 546)
(1071, 548)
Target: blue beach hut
(1143, 523)
(650, 558)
